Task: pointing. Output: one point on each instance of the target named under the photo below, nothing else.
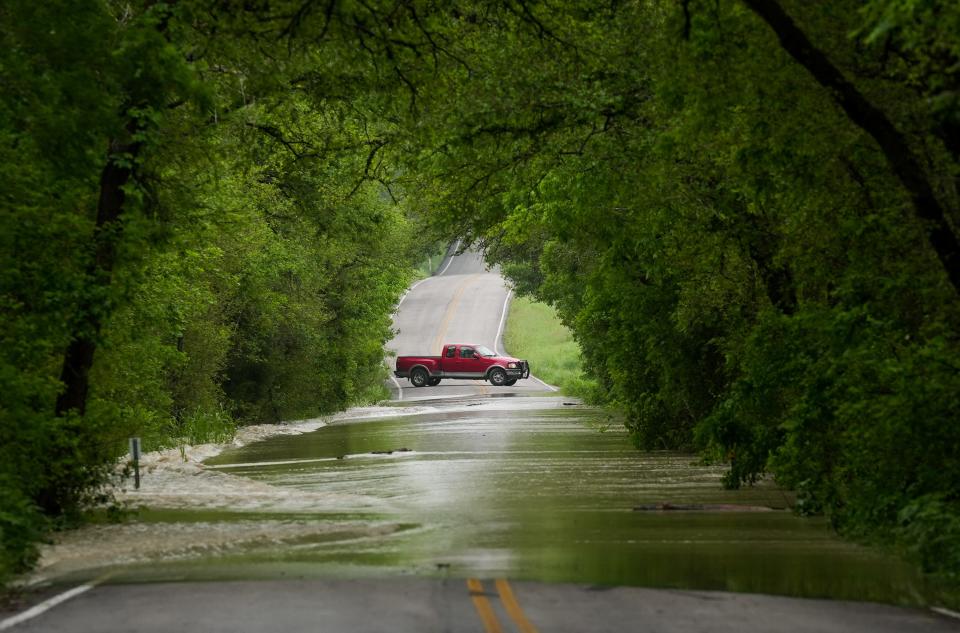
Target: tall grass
(197, 427)
(534, 333)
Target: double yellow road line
(481, 603)
(451, 311)
(438, 341)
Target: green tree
(746, 215)
(174, 256)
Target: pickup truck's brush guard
(464, 362)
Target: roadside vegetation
(432, 260)
(534, 332)
(746, 212)
(188, 242)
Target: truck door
(468, 364)
(449, 361)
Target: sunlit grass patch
(535, 333)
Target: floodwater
(528, 488)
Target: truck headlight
(511, 365)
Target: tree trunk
(78, 358)
(874, 122)
(777, 280)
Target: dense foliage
(742, 233)
(745, 210)
(210, 231)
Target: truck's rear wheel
(497, 377)
(510, 382)
(434, 382)
(419, 377)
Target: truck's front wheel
(419, 377)
(497, 377)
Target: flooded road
(420, 501)
(416, 518)
(529, 488)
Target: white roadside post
(135, 455)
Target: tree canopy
(746, 211)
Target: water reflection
(529, 489)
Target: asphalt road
(458, 606)
(464, 303)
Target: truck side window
(466, 352)
(451, 351)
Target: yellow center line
(436, 348)
(509, 601)
(483, 606)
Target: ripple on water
(521, 487)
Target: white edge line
(453, 256)
(946, 612)
(399, 388)
(503, 316)
(545, 384)
(409, 290)
(45, 606)
(395, 310)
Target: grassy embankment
(534, 332)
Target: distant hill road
(463, 303)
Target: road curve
(465, 302)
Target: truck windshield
(484, 351)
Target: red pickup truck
(471, 362)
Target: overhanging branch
(872, 120)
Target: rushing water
(530, 488)
(524, 488)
